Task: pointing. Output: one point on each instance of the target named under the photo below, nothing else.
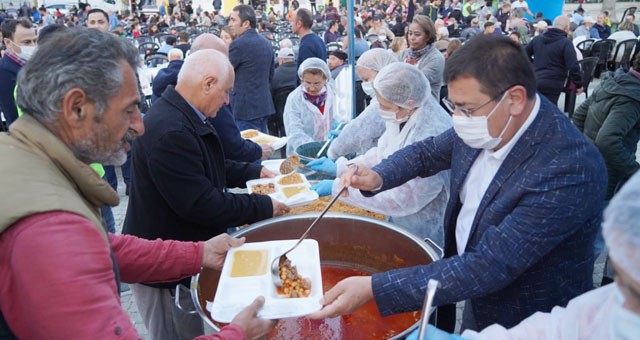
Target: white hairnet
(314, 63)
(402, 84)
(377, 58)
(621, 227)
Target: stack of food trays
(292, 189)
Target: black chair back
(148, 48)
(334, 46)
(157, 59)
(585, 47)
(161, 37)
(601, 49)
(143, 39)
(635, 52)
(623, 52)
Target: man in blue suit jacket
(252, 57)
(526, 199)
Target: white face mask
(367, 87)
(27, 51)
(390, 116)
(625, 325)
(474, 131)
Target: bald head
(209, 41)
(205, 80)
(561, 23)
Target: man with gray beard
(60, 268)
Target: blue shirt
(200, 115)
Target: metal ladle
(432, 285)
(278, 261)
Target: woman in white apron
(410, 115)
(308, 113)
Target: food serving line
(347, 241)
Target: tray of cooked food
(263, 138)
(246, 274)
(292, 189)
(339, 206)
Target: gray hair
(84, 58)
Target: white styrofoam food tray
(236, 293)
(263, 138)
(303, 198)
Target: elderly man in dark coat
(179, 180)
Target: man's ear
(517, 99)
(209, 83)
(75, 107)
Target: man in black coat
(553, 57)
(179, 180)
(251, 55)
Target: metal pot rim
(427, 247)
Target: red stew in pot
(364, 323)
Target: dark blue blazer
(252, 57)
(165, 77)
(531, 243)
(8, 73)
(235, 147)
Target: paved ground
(129, 305)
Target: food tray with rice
(263, 138)
(319, 205)
(292, 189)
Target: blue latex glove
(323, 164)
(323, 188)
(434, 333)
(334, 133)
(337, 128)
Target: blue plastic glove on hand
(323, 164)
(334, 133)
(323, 188)
(434, 333)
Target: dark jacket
(252, 57)
(165, 77)
(8, 73)
(553, 57)
(286, 75)
(604, 31)
(235, 147)
(311, 46)
(611, 119)
(530, 246)
(179, 174)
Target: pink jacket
(58, 282)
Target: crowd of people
(457, 137)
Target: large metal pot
(358, 242)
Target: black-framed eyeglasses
(469, 112)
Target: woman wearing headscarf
(418, 205)
(420, 37)
(308, 113)
(362, 133)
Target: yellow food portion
(249, 134)
(292, 178)
(292, 191)
(249, 263)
